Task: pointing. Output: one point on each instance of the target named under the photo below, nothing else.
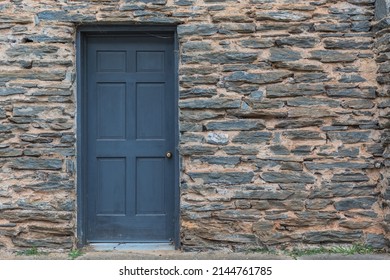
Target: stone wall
(282, 120)
(382, 48)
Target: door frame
(81, 110)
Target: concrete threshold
(132, 246)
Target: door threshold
(132, 246)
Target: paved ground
(90, 254)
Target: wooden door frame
(81, 105)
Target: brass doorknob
(168, 154)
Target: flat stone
(355, 203)
(258, 43)
(5, 91)
(252, 137)
(284, 54)
(264, 194)
(298, 123)
(33, 138)
(309, 112)
(300, 66)
(239, 125)
(287, 177)
(281, 16)
(369, 93)
(310, 102)
(310, 77)
(228, 28)
(353, 224)
(262, 78)
(350, 137)
(240, 150)
(214, 103)
(358, 104)
(230, 178)
(36, 164)
(331, 56)
(217, 138)
(331, 27)
(350, 177)
(39, 51)
(219, 160)
(197, 29)
(300, 42)
(10, 152)
(276, 91)
(332, 236)
(317, 204)
(336, 165)
(347, 44)
(188, 115)
(65, 16)
(304, 135)
(330, 190)
(190, 150)
(17, 216)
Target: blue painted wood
(130, 124)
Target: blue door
(130, 131)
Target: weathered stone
(332, 236)
(217, 138)
(258, 43)
(377, 241)
(229, 178)
(309, 112)
(310, 102)
(317, 204)
(287, 177)
(10, 152)
(298, 123)
(299, 66)
(188, 115)
(261, 78)
(262, 194)
(331, 27)
(276, 91)
(16, 216)
(24, 111)
(352, 224)
(284, 54)
(330, 190)
(65, 16)
(240, 150)
(358, 104)
(197, 29)
(350, 177)
(36, 164)
(38, 51)
(355, 203)
(304, 135)
(11, 91)
(347, 44)
(227, 28)
(281, 16)
(239, 125)
(331, 56)
(336, 165)
(252, 137)
(219, 160)
(352, 79)
(189, 126)
(215, 103)
(197, 150)
(32, 138)
(369, 93)
(279, 150)
(220, 58)
(301, 42)
(310, 77)
(350, 137)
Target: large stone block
(36, 164)
(355, 203)
(287, 177)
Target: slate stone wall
(283, 120)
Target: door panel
(130, 126)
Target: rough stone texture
(283, 111)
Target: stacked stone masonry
(283, 115)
